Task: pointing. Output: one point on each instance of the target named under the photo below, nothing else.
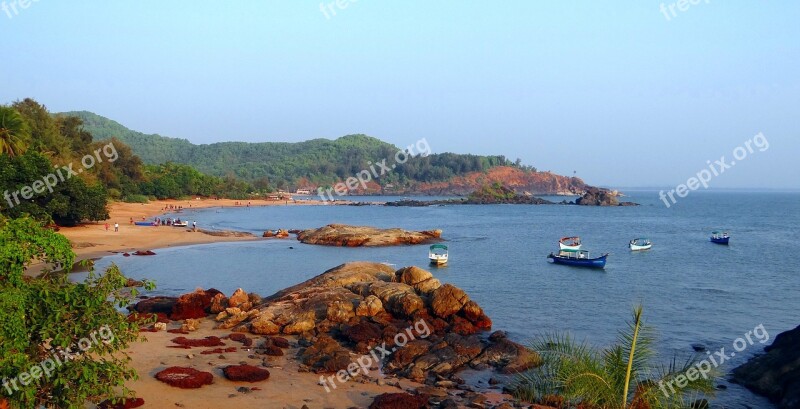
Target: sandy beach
(92, 240)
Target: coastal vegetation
(619, 376)
(73, 174)
(282, 165)
(61, 342)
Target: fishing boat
(145, 223)
(180, 224)
(438, 254)
(720, 237)
(640, 244)
(578, 258)
(569, 243)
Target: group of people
(116, 226)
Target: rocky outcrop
(775, 374)
(356, 236)
(433, 330)
(399, 401)
(538, 183)
(601, 197)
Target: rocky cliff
(536, 183)
(775, 374)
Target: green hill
(317, 161)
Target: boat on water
(640, 244)
(180, 224)
(569, 243)
(720, 237)
(438, 254)
(145, 223)
(578, 258)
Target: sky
(621, 94)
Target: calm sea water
(692, 291)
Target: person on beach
(194, 226)
(106, 226)
(116, 227)
(131, 220)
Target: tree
(584, 376)
(61, 343)
(14, 132)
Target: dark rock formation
(776, 374)
(193, 305)
(185, 378)
(211, 341)
(156, 305)
(601, 197)
(399, 401)
(356, 236)
(245, 373)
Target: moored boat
(578, 258)
(720, 237)
(145, 223)
(569, 243)
(438, 254)
(180, 224)
(640, 244)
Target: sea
(694, 293)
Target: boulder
(156, 305)
(422, 281)
(399, 401)
(193, 305)
(369, 307)
(776, 374)
(238, 298)
(245, 373)
(448, 300)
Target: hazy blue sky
(612, 90)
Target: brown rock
(369, 307)
(218, 303)
(193, 305)
(245, 373)
(422, 281)
(448, 300)
(185, 378)
(238, 298)
(399, 401)
(356, 236)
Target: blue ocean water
(692, 291)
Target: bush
(135, 199)
(61, 343)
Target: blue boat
(578, 258)
(720, 237)
(145, 223)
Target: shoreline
(91, 241)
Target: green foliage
(70, 202)
(492, 193)
(584, 375)
(14, 132)
(319, 162)
(42, 318)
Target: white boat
(180, 224)
(640, 244)
(569, 243)
(438, 254)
